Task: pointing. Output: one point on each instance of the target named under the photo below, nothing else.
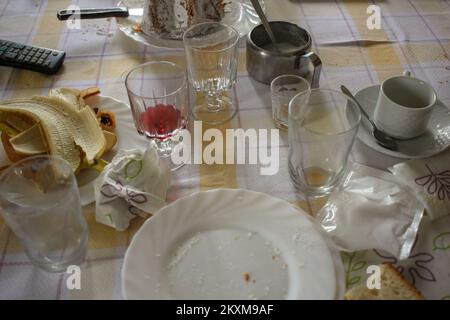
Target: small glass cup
(158, 96)
(212, 60)
(282, 89)
(40, 202)
(322, 128)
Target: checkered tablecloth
(415, 35)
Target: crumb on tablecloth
(246, 277)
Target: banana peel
(98, 165)
(32, 141)
(73, 97)
(64, 128)
(29, 142)
(10, 131)
(15, 156)
(111, 140)
(16, 122)
(36, 126)
(85, 93)
(12, 155)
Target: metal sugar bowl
(292, 54)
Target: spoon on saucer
(383, 139)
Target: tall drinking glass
(40, 202)
(212, 60)
(322, 128)
(157, 92)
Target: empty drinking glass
(40, 202)
(322, 128)
(158, 97)
(212, 60)
(282, 89)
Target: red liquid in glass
(161, 121)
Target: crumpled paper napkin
(134, 183)
(430, 180)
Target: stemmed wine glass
(212, 60)
(157, 91)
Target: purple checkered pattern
(415, 36)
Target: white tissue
(134, 183)
(372, 211)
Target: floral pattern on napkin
(437, 184)
(430, 180)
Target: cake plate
(239, 14)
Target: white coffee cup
(404, 106)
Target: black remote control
(34, 58)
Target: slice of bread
(393, 287)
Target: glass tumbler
(40, 202)
(282, 89)
(322, 128)
(212, 61)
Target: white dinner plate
(127, 138)
(231, 244)
(239, 14)
(433, 141)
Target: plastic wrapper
(371, 210)
(430, 180)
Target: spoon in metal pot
(383, 139)
(265, 23)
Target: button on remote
(10, 55)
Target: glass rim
(183, 85)
(238, 36)
(16, 164)
(272, 83)
(354, 103)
